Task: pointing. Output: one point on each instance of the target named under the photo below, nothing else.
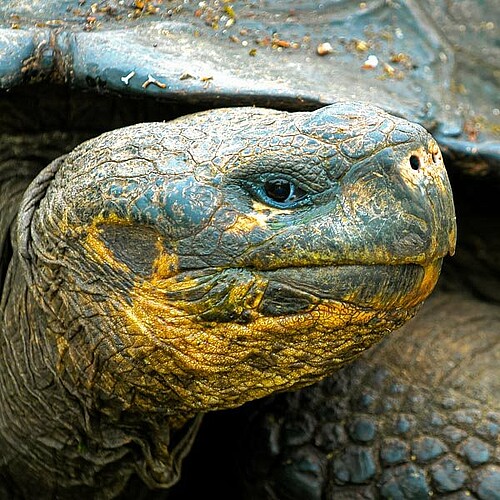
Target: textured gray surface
(437, 61)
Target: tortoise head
(201, 263)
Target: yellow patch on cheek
(95, 246)
(214, 365)
(152, 314)
(152, 321)
(232, 363)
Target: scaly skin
(155, 279)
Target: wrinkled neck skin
(57, 438)
(152, 281)
(53, 433)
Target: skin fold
(156, 274)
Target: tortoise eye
(283, 191)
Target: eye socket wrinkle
(307, 171)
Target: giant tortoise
(162, 270)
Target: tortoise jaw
(225, 295)
(381, 287)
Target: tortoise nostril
(435, 157)
(414, 162)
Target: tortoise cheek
(134, 246)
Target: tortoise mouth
(237, 294)
(295, 289)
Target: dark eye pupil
(279, 190)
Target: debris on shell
(15, 23)
(392, 72)
(186, 76)
(389, 70)
(127, 78)
(152, 80)
(228, 9)
(472, 128)
(207, 80)
(324, 48)
(361, 45)
(402, 59)
(143, 7)
(275, 42)
(279, 43)
(371, 62)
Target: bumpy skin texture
(155, 278)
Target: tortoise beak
(438, 190)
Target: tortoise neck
(52, 427)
